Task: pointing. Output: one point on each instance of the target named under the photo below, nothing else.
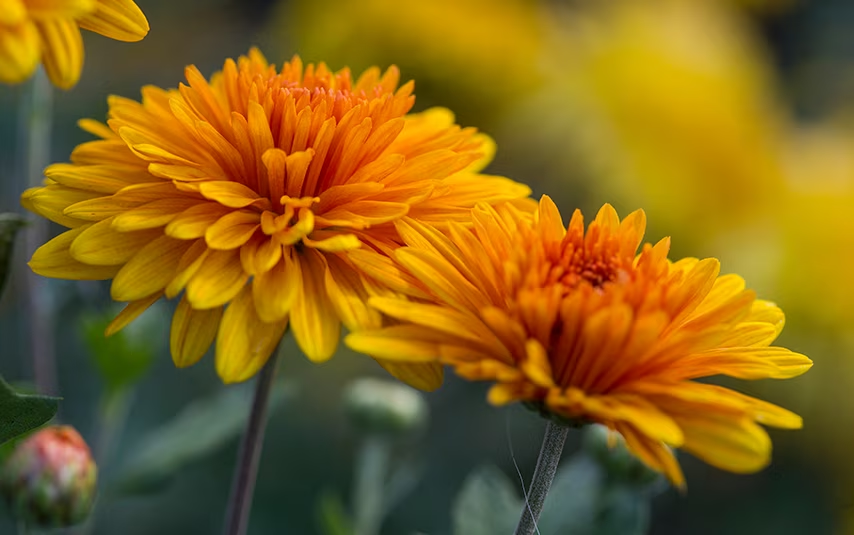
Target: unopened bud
(608, 448)
(50, 478)
(384, 407)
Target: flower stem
(369, 487)
(544, 473)
(246, 471)
(35, 123)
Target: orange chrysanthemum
(248, 191)
(33, 31)
(584, 329)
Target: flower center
(295, 223)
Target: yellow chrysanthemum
(583, 328)
(456, 49)
(248, 191)
(33, 31)
(672, 104)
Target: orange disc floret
(243, 195)
(584, 329)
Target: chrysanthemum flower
(248, 190)
(33, 31)
(583, 329)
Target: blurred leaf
(123, 358)
(9, 225)
(200, 429)
(572, 501)
(487, 504)
(401, 483)
(334, 519)
(624, 510)
(20, 413)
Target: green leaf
(123, 358)
(334, 519)
(624, 510)
(9, 225)
(20, 413)
(573, 499)
(198, 430)
(487, 504)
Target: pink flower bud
(50, 478)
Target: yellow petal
(232, 230)
(13, 12)
(121, 20)
(150, 270)
(349, 296)
(51, 202)
(194, 221)
(227, 193)
(397, 343)
(20, 50)
(218, 279)
(130, 313)
(244, 342)
(316, 326)
(427, 377)
(62, 53)
(192, 332)
(54, 259)
(735, 445)
(71, 9)
(653, 453)
(276, 290)
(100, 244)
(152, 214)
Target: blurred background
(729, 121)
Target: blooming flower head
(33, 31)
(249, 190)
(580, 327)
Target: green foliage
(623, 510)
(603, 490)
(21, 413)
(333, 516)
(572, 503)
(200, 429)
(487, 504)
(123, 358)
(10, 223)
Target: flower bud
(384, 407)
(50, 478)
(608, 448)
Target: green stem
(246, 471)
(111, 418)
(369, 486)
(544, 474)
(35, 120)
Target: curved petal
(423, 376)
(54, 259)
(192, 332)
(244, 342)
(63, 51)
(121, 20)
(316, 325)
(20, 50)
